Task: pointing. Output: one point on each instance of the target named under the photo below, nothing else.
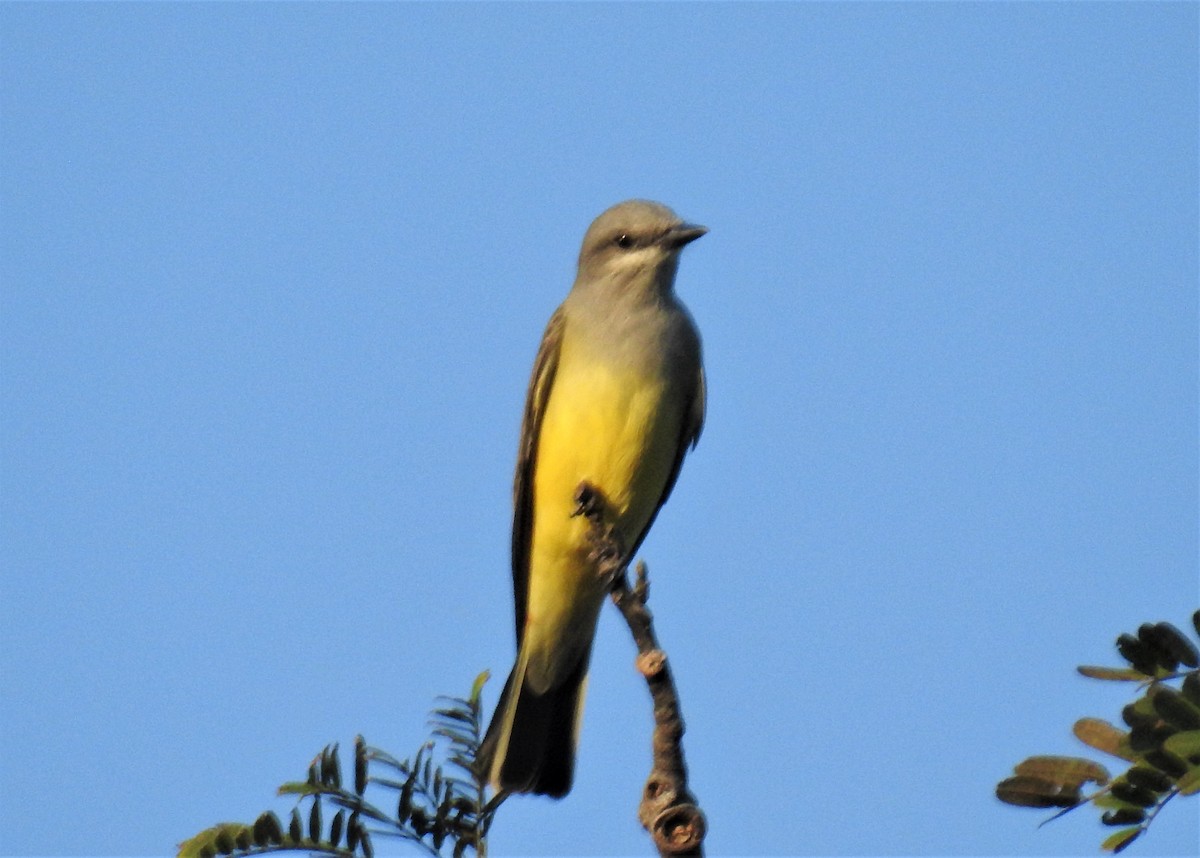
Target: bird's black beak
(684, 233)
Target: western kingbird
(616, 399)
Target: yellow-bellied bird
(616, 399)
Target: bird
(615, 401)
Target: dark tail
(530, 744)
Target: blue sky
(273, 277)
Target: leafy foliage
(438, 806)
(1162, 743)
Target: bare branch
(668, 810)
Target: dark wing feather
(544, 367)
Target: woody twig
(668, 810)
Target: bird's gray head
(635, 242)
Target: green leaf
(1123, 816)
(1137, 795)
(360, 765)
(454, 736)
(1109, 800)
(1103, 736)
(335, 828)
(459, 715)
(1174, 708)
(211, 841)
(1118, 840)
(224, 842)
(1115, 674)
(1185, 745)
(1070, 772)
(314, 821)
(1140, 713)
(1165, 761)
(1151, 779)
(1182, 649)
(1191, 687)
(481, 680)
(335, 767)
(1027, 791)
(353, 832)
(1157, 644)
(1138, 654)
(268, 831)
(1189, 784)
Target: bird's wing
(544, 367)
(689, 434)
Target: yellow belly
(618, 430)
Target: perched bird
(616, 399)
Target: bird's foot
(607, 553)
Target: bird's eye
(623, 241)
